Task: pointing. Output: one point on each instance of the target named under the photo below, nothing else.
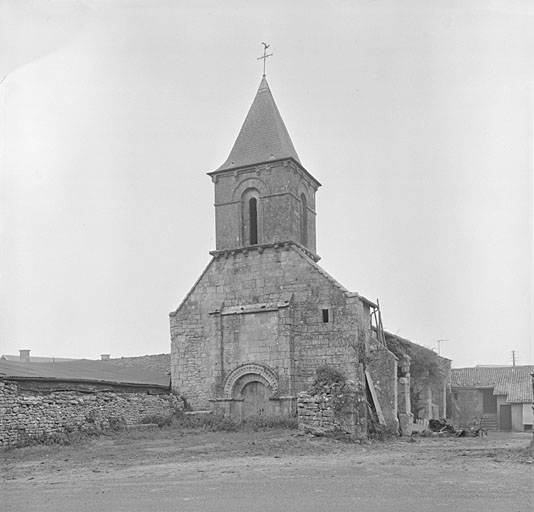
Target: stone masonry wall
(336, 409)
(280, 185)
(207, 346)
(29, 415)
(316, 415)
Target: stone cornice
(265, 166)
(278, 246)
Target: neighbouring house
(44, 399)
(500, 397)
(263, 316)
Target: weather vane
(265, 55)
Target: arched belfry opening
(253, 220)
(304, 220)
(251, 226)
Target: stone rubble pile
(333, 409)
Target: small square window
(325, 316)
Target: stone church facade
(263, 316)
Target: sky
(415, 116)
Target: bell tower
(263, 194)
(263, 315)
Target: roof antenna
(265, 56)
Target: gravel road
(270, 471)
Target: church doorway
(255, 399)
(253, 386)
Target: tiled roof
(263, 136)
(514, 382)
(82, 370)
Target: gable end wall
(292, 340)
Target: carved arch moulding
(256, 183)
(246, 373)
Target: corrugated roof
(82, 370)
(263, 136)
(151, 363)
(514, 382)
(38, 359)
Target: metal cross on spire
(265, 55)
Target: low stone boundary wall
(30, 415)
(335, 410)
(315, 414)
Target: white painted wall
(517, 417)
(528, 415)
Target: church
(264, 316)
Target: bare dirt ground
(171, 470)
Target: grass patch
(270, 422)
(179, 421)
(159, 419)
(71, 438)
(74, 434)
(218, 423)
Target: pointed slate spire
(263, 136)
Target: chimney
(105, 357)
(24, 355)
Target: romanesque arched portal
(254, 384)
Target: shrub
(326, 376)
(116, 423)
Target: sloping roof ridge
(39, 359)
(323, 272)
(285, 138)
(388, 333)
(514, 382)
(118, 358)
(174, 313)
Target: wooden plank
(379, 413)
